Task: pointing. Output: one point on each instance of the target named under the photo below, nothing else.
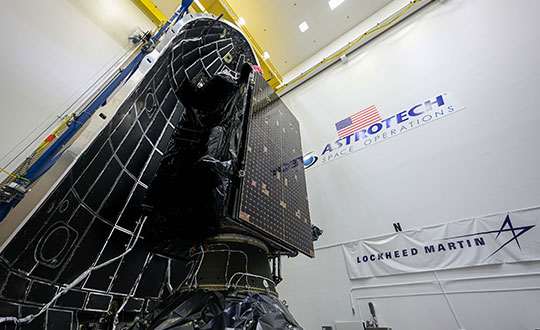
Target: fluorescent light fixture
(200, 5)
(266, 55)
(303, 26)
(334, 3)
(241, 21)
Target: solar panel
(273, 196)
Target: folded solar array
(273, 193)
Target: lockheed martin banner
(497, 239)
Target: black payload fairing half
(200, 157)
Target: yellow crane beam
(151, 11)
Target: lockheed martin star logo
(506, 226)
(515, 235)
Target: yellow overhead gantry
(151, 11)
(217, 8)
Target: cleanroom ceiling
(275, 25)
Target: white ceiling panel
(274, 24)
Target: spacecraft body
(193, 186)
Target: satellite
(177, 214)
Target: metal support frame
(276, 269)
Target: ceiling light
(334, 3)
(303, 26)
(241, 21)
(266, 55)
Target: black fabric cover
(219, 310)
(189, 193)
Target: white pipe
(445, 280)
(448, 301)
(531, 288)
(356, 288)
(439, 293)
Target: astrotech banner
(496, 239)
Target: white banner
(496, 239)
(351, 138)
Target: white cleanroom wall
(52, 53)
(339, 43)
(481, 160)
